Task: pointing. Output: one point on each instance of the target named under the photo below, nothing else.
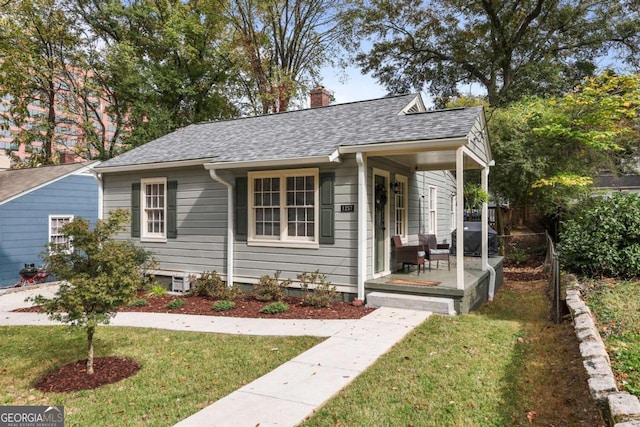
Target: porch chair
(435, 251)
(409, 254)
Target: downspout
(362, 223)
(227, 181)
(98, 177)
(485, 235)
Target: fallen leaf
(531, 415)
(520, 340)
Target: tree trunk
(90, 332)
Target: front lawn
(616, 306)
(182, 372)
(506, 364)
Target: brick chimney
(319, 97)
(67, 157)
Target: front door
(380, 224)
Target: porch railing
(475, 215)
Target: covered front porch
(443, 283)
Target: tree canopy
(278, 47)
(511, 48)
(38, 43)
(548, 149)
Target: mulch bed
(246, 306)
(73, 376)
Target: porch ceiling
(433, 160)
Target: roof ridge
(282, 113)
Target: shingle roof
(16, 181)
(302, 133)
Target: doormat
(413, 282)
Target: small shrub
(518, 256)
(322, 293)
(270, 288)
(210, 285)
(275, 307)
(175, 304)
(602, 237)
(157, 291)
(223, 305)
(140, 302)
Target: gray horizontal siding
(202, 223)
(202, 230)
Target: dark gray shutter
(172, 209)
(135, 209)
(242, 210)
(327, 215)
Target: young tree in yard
(510, 48)
(548, 150)
(99, 275)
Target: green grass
(616, 306)
(495, 367)
(182, 372)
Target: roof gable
(16, 182)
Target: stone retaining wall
(619, 409)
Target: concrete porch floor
(476, 283)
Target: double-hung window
(433, 210)
(400, 205)
(154, 208)
(284, 207)
(56, 222)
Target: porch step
(414, 302)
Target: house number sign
(347, 208)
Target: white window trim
(405, 204)
(284, 241)
(433, 209)
(60, 216)
(145, 236)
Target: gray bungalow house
(323, 189)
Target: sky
(351, 85)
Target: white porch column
(460, 218)
(484, 184)
(362, 222)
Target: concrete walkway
(291, 392)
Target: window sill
(148, 239)
(282, 244)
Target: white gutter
(153, 166)
(362, 223)
(227, 181)
(273, 162)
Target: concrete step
(413, 302)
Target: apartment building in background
(72, 114)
